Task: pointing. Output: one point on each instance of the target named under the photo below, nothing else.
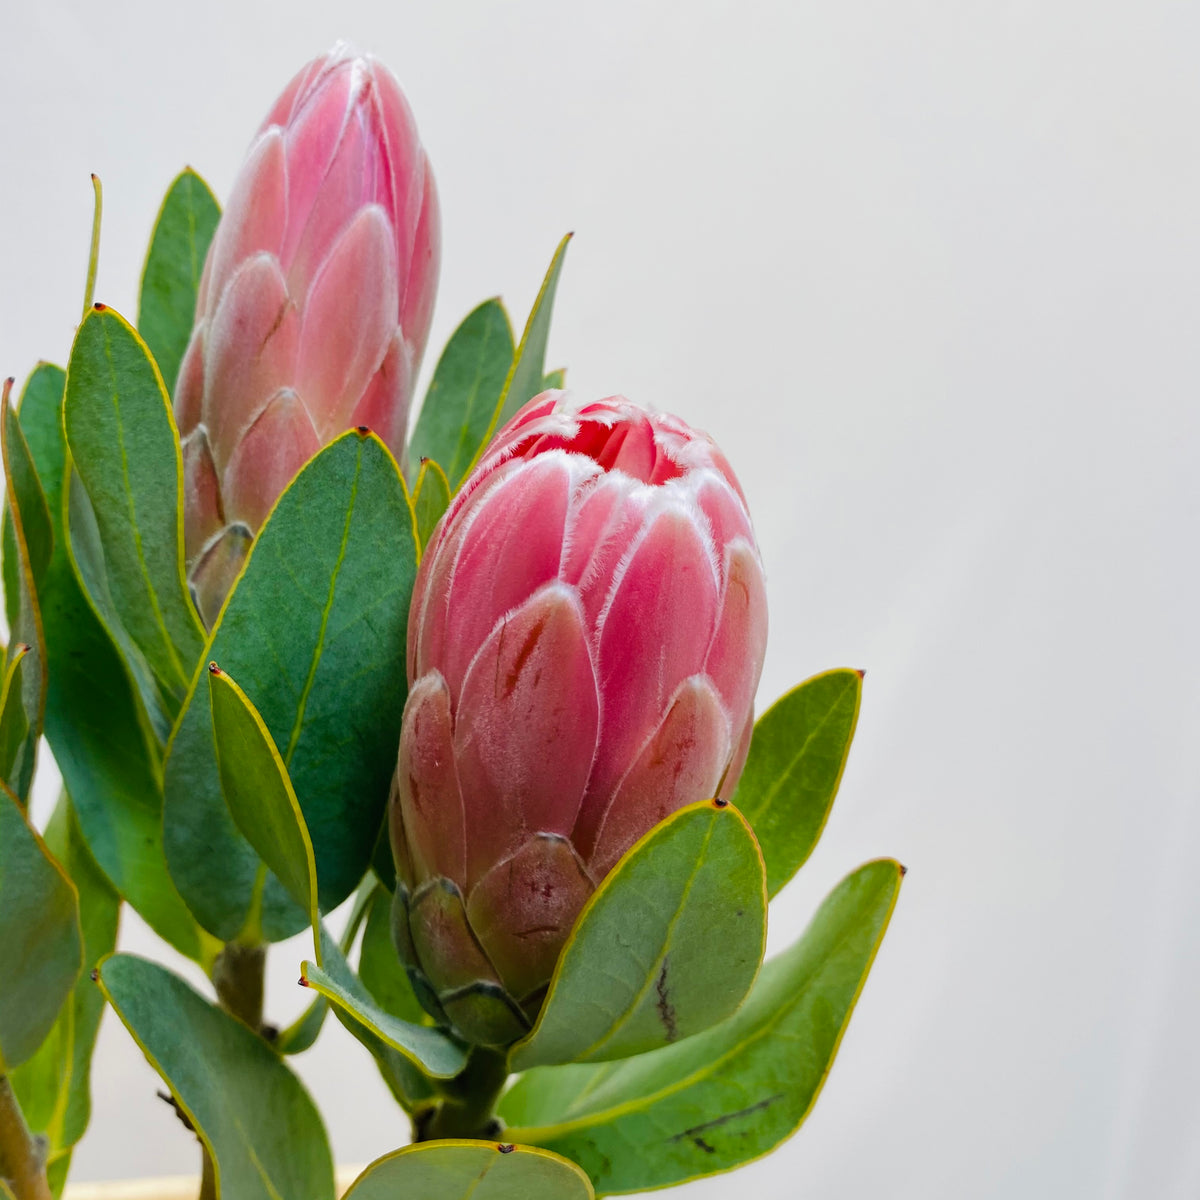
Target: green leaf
(53, 1087)
(94, 721)
(431, 1050)
(461, 1170)
(14, 721)
(125, 448)
(431, 498)
(380, 968)
(252, 1114)
(41, 946)
(796, 760)
(730, 1094)
(638, 970)
(553, 380)
(174, 263)
(258, 791)
(32, 540)
(314, 631)
(461, 402)
(303, 1031)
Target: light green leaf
(125, 448)
(32, 539)
(186, 223)
(53, 1087)
(314, 631)
(258, 791)
(252, 1114)
(461, 402)
(554, 380)
(639, 969)
(461, 1170)
(730, 1094)
(94, 721)
(380, 968)
(431, 498)
(431, 1050)
(41, 946)
(796, 760)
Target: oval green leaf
(433, 1051)
(380, 968)
(94, 720)
(32, 539)
(41, 946)
(639, 970)
(252, 1114)
(554, 380)
(258, 792)
(186, 223)
(125, 447)
(54, 1086)
(731, 1094)
(797, 756)
(462, 1170)
(462, 399)
(314, 631)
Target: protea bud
(313, 308)
(585, 640)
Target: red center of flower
(628, 445)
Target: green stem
(469, 1109)
(22, 1156)
(94, 254)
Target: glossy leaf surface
(669, 944)
(174, 263)
(462, 1170)
(54, 1086)
(251, 1112)
(94, 722)
(730, 1094)
(125, 447)
(796, 760)
(32, 541)
(314, 633)
(461, 401)
(41, 946)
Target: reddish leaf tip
(213, 669)
(719, 803)
(98, 307)
(94, 974)
(903, 870)
(23, 647)
(506, 1147)
(362, 430)
(860, 672)
(303, 982)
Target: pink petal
(739, 644)
(202, 514)
(384, 405)
(268, 458)
(511, 546)
(444, 943)
(734, 771)
(724, 509)
(419, 286)
(405, 158)
(214, 573)
(526, 729)
(295, 92)
(430, 801)
(250, 352)
(349, 319)
(401, 855)
(654, 634)
(311, 141)
(256, 215)
(189, 387)
(523, 909)
(681, 764)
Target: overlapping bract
(314, 305)
(585, 640)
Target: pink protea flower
(314, 305)
(586, 636)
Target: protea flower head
(313, 307)
(586, 636)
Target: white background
(930, 273)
